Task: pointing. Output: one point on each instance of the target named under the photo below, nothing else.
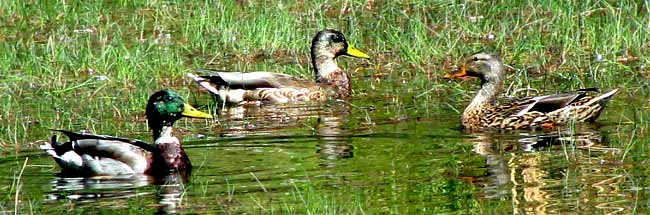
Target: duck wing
(252, 80)
(554, 109)
(550, 103)
(75, 136)
(90, 154)
(238, 87)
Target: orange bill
(459, 73)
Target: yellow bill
(354, 52)
(190, 111)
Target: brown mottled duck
(541, 111)
(331, 80)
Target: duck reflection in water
(168, 190)
(326, 120)
(272, 119)
(170, 193)
(334, 140)
(547, 172)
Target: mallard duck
(540, 111)
(97, 155)
(331, 80)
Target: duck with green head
(95, 155)
(331, 80)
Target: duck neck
(170, 156)
(328, 72)
(485, 97)
(162, 132)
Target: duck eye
(336, 38)
(475, 59)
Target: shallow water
(348, 158)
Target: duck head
(326, 46)
(332, 43)
(165, 107)
(484, 65)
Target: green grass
(54, 53)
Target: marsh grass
(56, 53)
(315, 202)
(92, 65)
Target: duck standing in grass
(540, 111)
(331, 80)
(97, 155)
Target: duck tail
(53, 140)
(49, 147)
(597, 104)
(203, 82)
(230, 96)
(602, 99)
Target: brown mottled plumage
(331, 80)
(548, 110)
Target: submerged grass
(92, 65)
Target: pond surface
(348, 158)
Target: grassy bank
(112, 55)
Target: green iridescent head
(166, 106)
